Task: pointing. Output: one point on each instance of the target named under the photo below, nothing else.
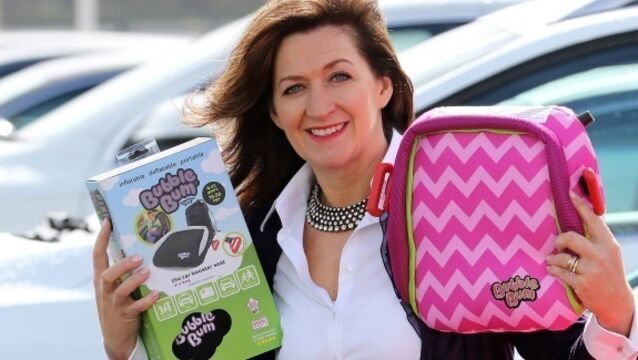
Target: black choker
(333, 219)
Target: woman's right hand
(119, 313)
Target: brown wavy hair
(257, 153)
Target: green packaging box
(177, 210)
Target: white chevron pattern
(486, 244)
(471, 287)
(481, 176)
(490, 311)
(480, 141)
(484, 210)
(581, 141)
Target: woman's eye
(293, 89)
(340, 77)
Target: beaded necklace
(333, 219)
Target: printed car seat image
(198, 214)
(188, 247)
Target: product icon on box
(165, 309)
(234, 244)
(152, 225)
(253, 305)
(260, 323)
(186, 301)
(228, 286)
(207, 293)
(247, 277)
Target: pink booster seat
(474, 202)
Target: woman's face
(327, 99)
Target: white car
(89, 39)
(413, 21)
(430, 59)
(588, 63)
(163, 123)
(20, 50)
(46, 291)
(43, 165)
(30, 93)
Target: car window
(34, 112)
(633, 279)
(407, 36)
(9, 68)
(600, 76)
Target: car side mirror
(6, 128)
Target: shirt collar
(393, 148)
(388, 158)
(294, 197)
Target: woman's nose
(320, 103)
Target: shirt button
(619, 348)
(349, 268)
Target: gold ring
(572, 264)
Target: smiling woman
(314, 95)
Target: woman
(314, 96)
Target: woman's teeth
(327, 131)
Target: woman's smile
(324, 133)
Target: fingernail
(549, 258)
(136, 259)
(155, 293)
(144, 271)
(573, 195)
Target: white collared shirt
(366, 321)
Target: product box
(177, 209)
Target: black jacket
(567, 344)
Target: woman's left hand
(599, 276)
